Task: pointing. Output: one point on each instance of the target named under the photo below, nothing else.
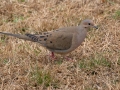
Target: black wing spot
(42, 36)
(33, 37)
(45, 39)
(50, 41)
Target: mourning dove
(62, 40)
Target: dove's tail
(17, 35)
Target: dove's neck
(83, 29)
(81, 34)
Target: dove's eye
(89, 24)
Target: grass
(94, 62)
(5, 61)
(42, 77)
(117, 14)
(25, 65)
(21, 0)
(18, 19)
(118, 61)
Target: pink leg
(68, 58)
(52, 55)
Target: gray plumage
(63, 40)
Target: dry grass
(25, 66)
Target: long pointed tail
(17, 35)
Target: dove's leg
(68, 58)
(52, 55)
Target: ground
(25, 65)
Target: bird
(61, 41)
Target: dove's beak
(96, 27)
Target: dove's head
(87, 23)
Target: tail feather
(17, 35)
